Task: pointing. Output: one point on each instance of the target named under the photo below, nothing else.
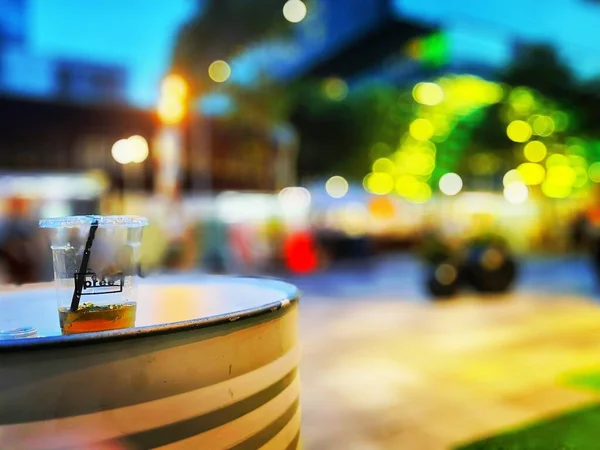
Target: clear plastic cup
(96, 261)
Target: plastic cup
(95, 262)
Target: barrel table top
(212, 362)
(166, 303)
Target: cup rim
(103, 221)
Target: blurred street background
(426, 171)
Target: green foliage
(221, 30)
(575, 430)
(336, 135)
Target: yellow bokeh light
(419, 163)
(521, 99)
(576, 160)
(406, 185)
(512, 176)
(379, 183)
(384, 165)
(535, 151)
(294, 11)
(581, 177)
(170, 110)
(594, 172)
(421, 194)
(336, 186)
(219, 71)
(532, 173)
(556, 160)
(518, 131)
(561, 175)
(451, 184)
(553, 190)
(174, 86)
(516, 192)
(543, 126)
(421, 129)
(428, 94)
(335, 89)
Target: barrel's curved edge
(132, 333)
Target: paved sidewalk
(385, 373)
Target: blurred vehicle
(489, 265)
(335, 246)
(484, 263)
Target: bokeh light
(516, 192)
(406, 185)
(535, 151)
(518, 131)
(420, 163)
(421, 129)
(382, 208)
(384, 165)
(379, 183)
(336, 186)
(121, 151)
(174, 85)
(170, 110)
(138, 149)
(561, 175)
(594, 172)
(219, 71)
(561, 120)
(294, 198)
(576, 160)
(335, 89)
(581, 177)
(512, 176)
(294, 11)
(552, 190)
(532, 173)
(521, 99)
(543, 126)
(450, 184)
(429, 94)
(557, 160)
(421, 194)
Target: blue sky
(137, 34)
(486, 29)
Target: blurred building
(24, 73)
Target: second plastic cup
(95, 270)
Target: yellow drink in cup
(95, 262)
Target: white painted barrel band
(234, 385)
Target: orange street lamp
(171, 106)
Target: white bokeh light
(516, 192)
(121, 151)
(294, 11)
(336, 186)
(138, 149)
(451, 184)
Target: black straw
(80, 277)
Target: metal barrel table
(211, 363)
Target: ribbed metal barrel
(209, 365)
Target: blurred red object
(300, 252)
(594, 216)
